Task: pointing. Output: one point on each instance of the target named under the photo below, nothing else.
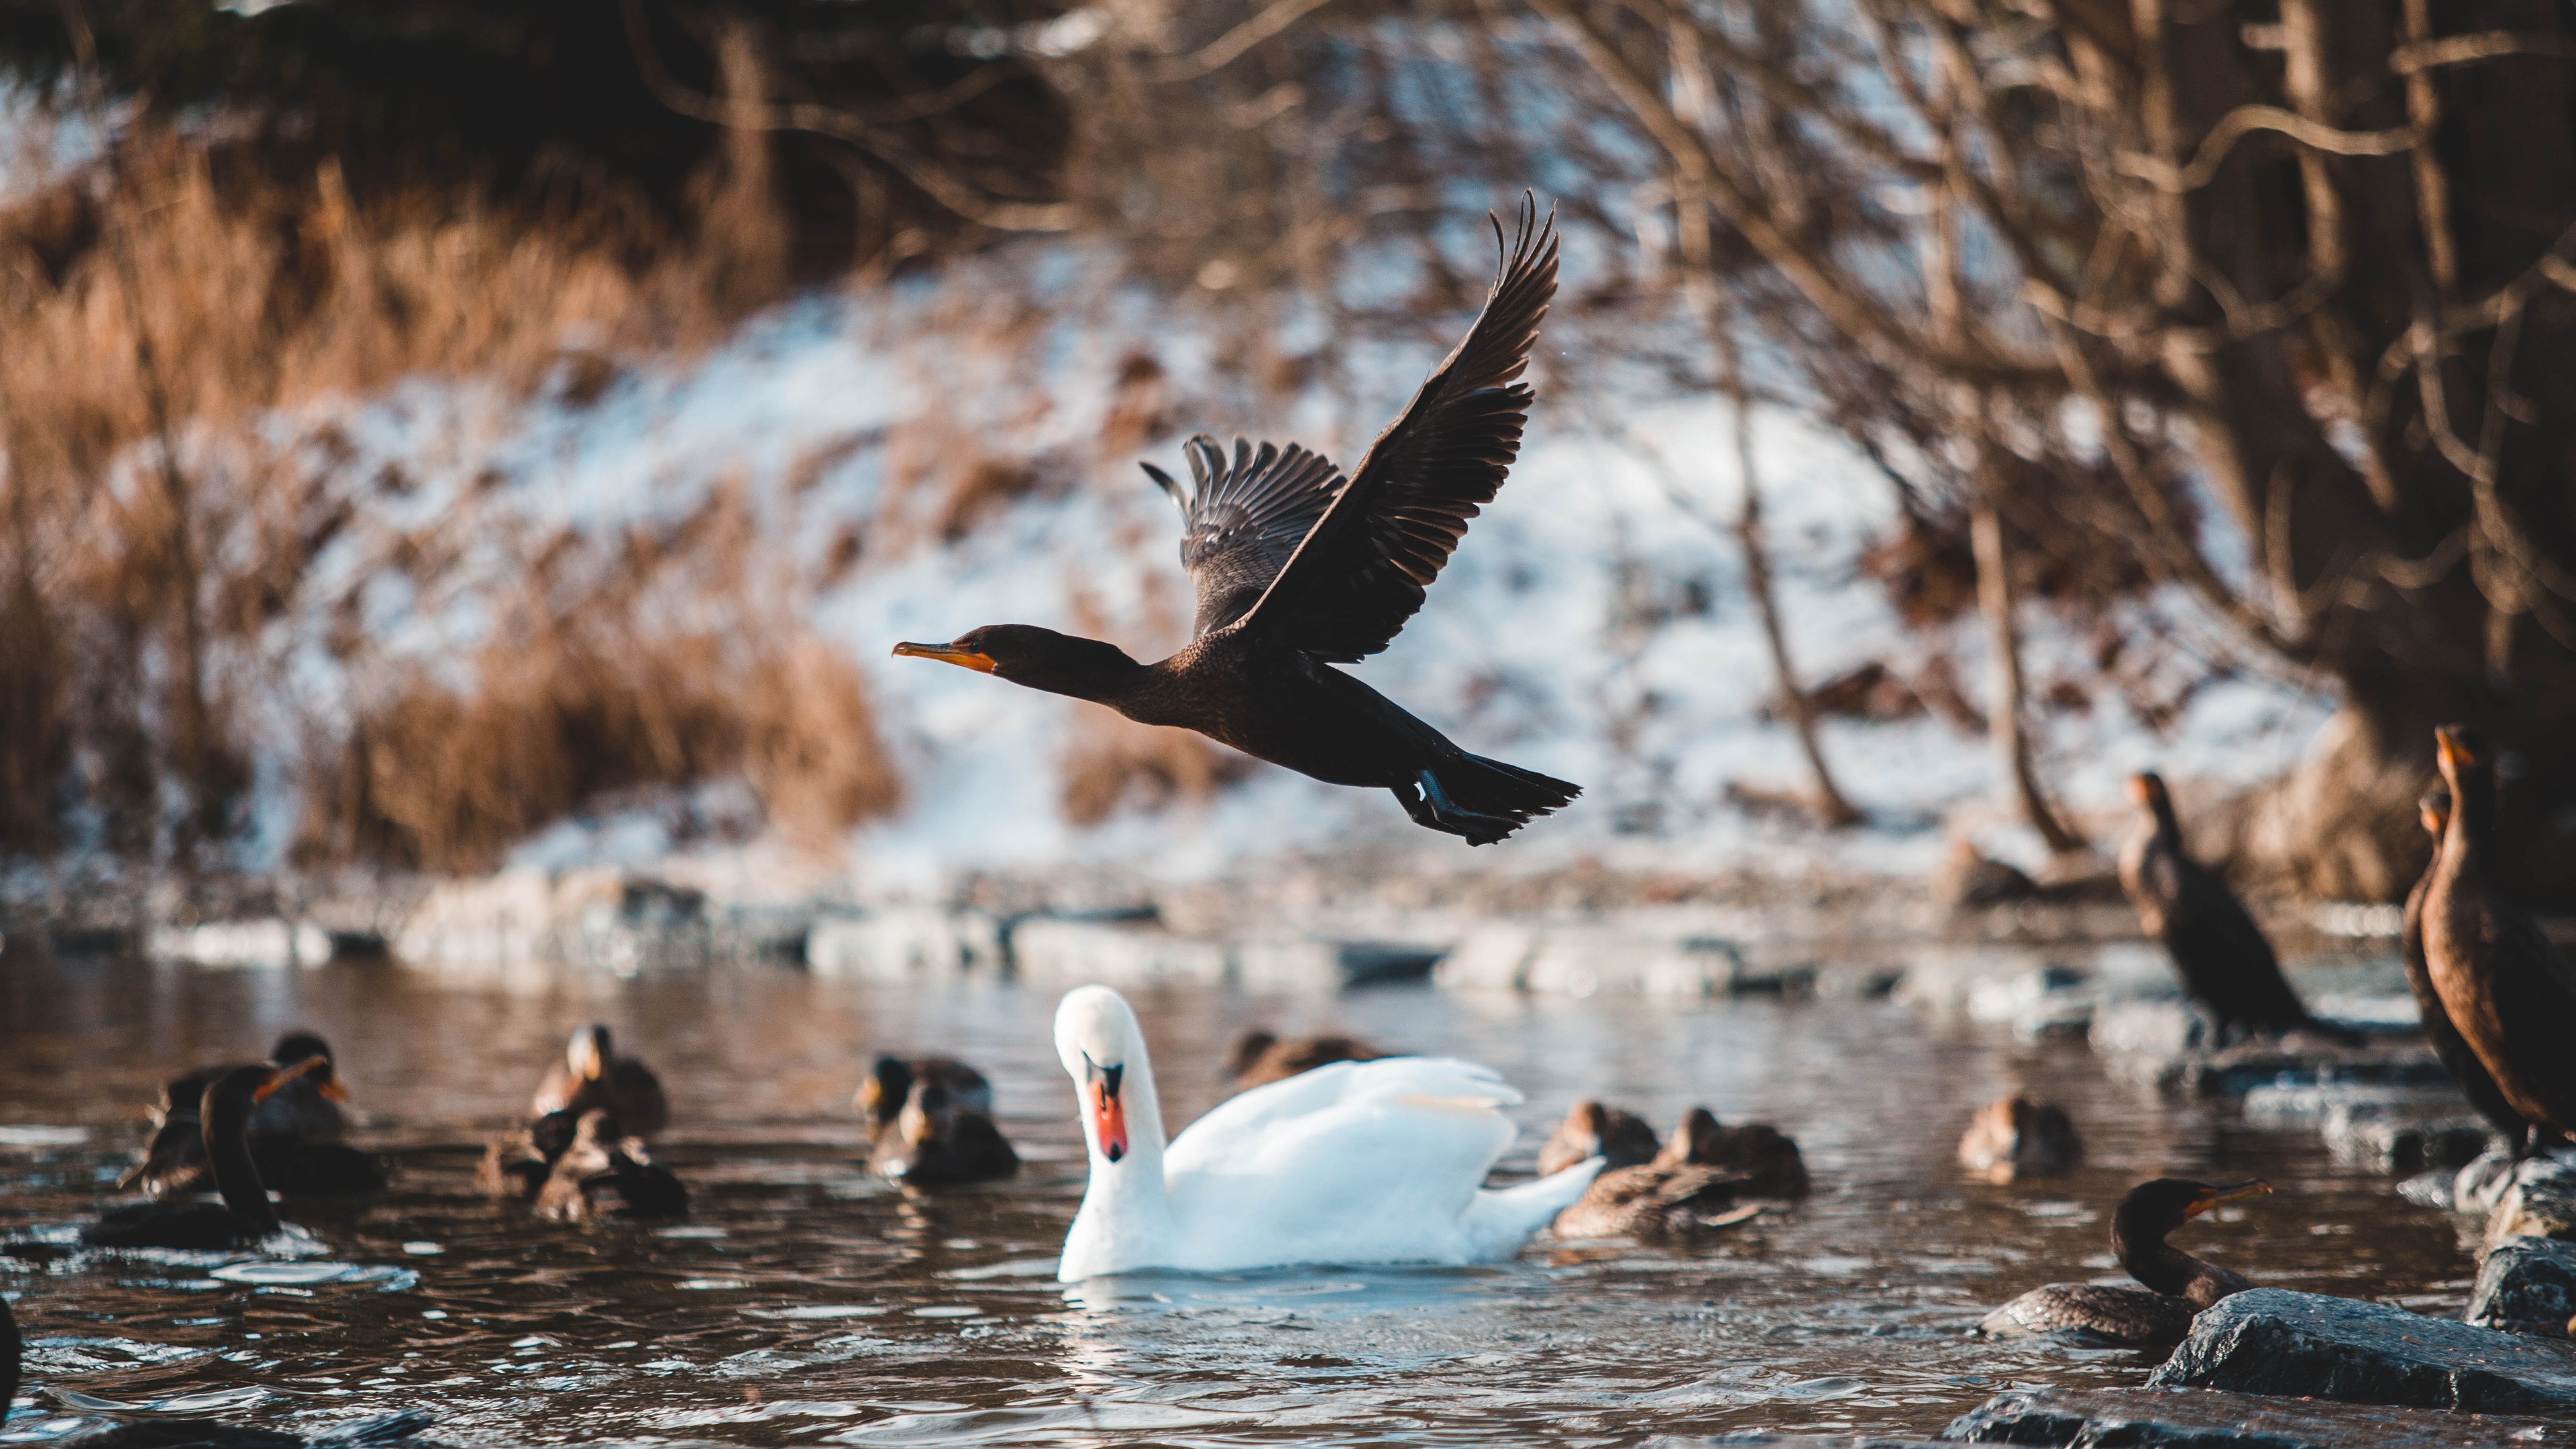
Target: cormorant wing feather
(1364, 569)
(1241, 521)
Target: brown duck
(1296, 571)
(1259, 1056)
(2013, 1137)
(2178, 1285)
(2506, 989)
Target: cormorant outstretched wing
(1364, 569)
(1240, 523)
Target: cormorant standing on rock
(2506, 989)
(2457, 1056)
(2225, 962)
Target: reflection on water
(806, 1302)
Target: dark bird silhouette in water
(176, 1433)
(2178, 1285)
(1762, 1155)
(603, 1173)
(2507, 990)
(1296, 571)
(2222, 956)
(592, 1074)
(930, 1123)
(294, 1135)
(2013, 1137)
(1260, 1056)
(518, 1163)
(2458, 1057)
(243, 1214)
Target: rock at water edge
(2203, 1419)
(2272, 1341)
(2527, 1285)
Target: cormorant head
(300, 1046)
(2434, 810)
(2147, 791)
(1027, 655)
(2153, 1209)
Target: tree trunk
(2004, 715)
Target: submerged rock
(2527, 1285)
(2272, 1341)
(2205, 1420)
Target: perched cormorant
(2178, 1285)
(593, 1075)
(2014, 1137)
(930, 1123)
(176, 1433)
(2225, 962)
(1260, 1056)
(1617, 1136)
(294, 1135)
(1296, 571)
(2457, 1056)
(244, 1215)
(602, 1173)
(2509, 992)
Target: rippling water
(804, 1302)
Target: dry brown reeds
(165, 307)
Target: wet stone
(2175, 1050)
(2538, 1201)
(2271, 1341)
(2395, 1130)
(1763, 1439)
(2200, 1419)
(2527, 1285)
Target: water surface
(804, 1302)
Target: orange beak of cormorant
(2140, 792)
(2455, 751)
(332, 1089)
(962, 658)
(1108, 1115)
(269, 1088)
(2217, 1195)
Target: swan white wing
(1377, 1162)
(1239, 1123)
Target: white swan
(1356, 1162)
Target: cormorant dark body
(2225, 962)
(294, 1135)
(2178, 1285)
(244, 1214)
(1296, 571)
(2505, 987)
(2458, 1058)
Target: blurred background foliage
(2265, 303)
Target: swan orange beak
(269, 1088)
(962, 658)
(2217, 1195)
(1108, 1115)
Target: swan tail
(1500, 1220)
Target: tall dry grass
(164, 305)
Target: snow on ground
(1588, 627)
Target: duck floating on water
(2178, 1285)
(1620, 1138)
(1351, 1163)
(1762, 1158)
(294, 1135)
(1296, 571)
(244, 1213)
(2225, 962)
(603, 1173)
(2503, 985)
(2013, 1137)
(592, 1074)
(930, 1123)
(1260, 1056)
